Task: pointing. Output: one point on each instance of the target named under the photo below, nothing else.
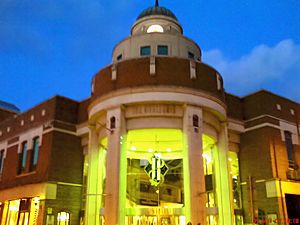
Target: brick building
(158, 142)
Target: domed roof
(157, 10)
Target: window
(113, 122)
(191, 55)
(195, 120)
(155, 28)
(35, 153)
(195, 123)
(13, 211)
(292, 112)
(145, 50)
(233, 162)
(1, 161)
(289, 148)
(153, 181)
(119, 58)
(278, 107)
(162, 50)
(63, 218)
(22, 158)
(219, 82)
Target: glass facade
(208, 167)
(155, 173)
(235, 179)
(20, 212)
(103, 153)
(154, 176)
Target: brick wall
(10, 178)
(264, 102)
(66, 158)
(68, 199)
(169, 72)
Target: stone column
(194, 184)
(114, 202)
(224, 191)
(93, 199)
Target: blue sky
(56, 46)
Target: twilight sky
(50, 47)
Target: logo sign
(156, 169)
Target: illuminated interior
(234, 172)
(103, 153)
(63, 218)
(22, 211)
(208, 164)
(154, 176)
(13, 212)
(155, 28)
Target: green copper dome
(157, 11)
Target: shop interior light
(133, 148)
(63, 216)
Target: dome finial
(156, 3)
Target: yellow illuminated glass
(63, 218)
(155, 28)
(165, 147)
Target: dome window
(162, 50)
(145, 50)
(119, 57)
(155, 28)
(191, 55)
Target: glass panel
(235, 177)
(24, 151)
(238, 220)
(290, 148)
(26, 218)
(36, 143)
(23, 218)
(208, 167)
(155, 168)
(22, 158)
(212, 220)
(13, 212)
(162, 50)
(145, 50)
(155, 28)
(102, 161)
(63, 218)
